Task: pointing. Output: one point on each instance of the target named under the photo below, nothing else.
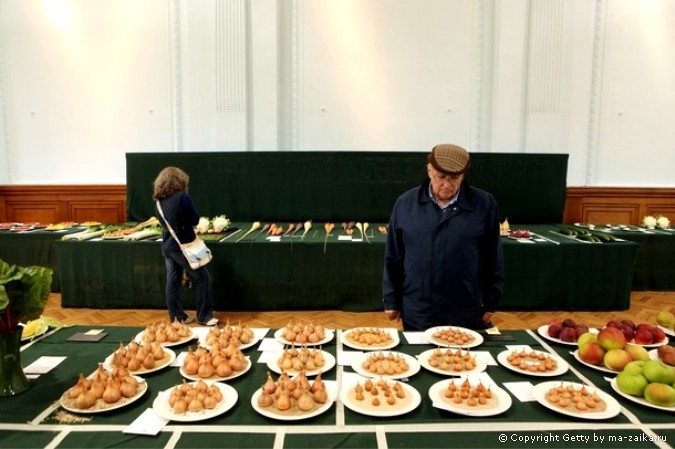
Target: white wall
(82, 82)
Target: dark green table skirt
(654, 267)
(549, 273)
(31, 419)
(32, 248)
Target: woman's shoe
(212, 322)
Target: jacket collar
(464, 201)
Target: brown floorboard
(644, 307)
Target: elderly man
(443, 261)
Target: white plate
(602, 368)
(272, 412)
(613, 408)
(139, 339)
(561, 368)
(413, 365)
(543, 331)
(169, 357)
(477, 338)
(654, 354)
(639, 400)
(329, 363)
(344, 338)
(103, 407)
(161, 405)
(667, 331)
(652, 345)
(253, 342)
(423, 360)
(234, 375)
(329, 334)
(438, 400)
(412, 401)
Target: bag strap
(168, 225)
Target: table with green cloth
(34, 418)
(548, 272)
(654, 267)
(35, 247)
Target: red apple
(658, 334)
(555, 322)
(568, 334)
(569, 322)
(628, 323)
(627, 332)
(611, 338)
(643, 336)
(554, 330)
(613, 323)
(580, 329)
(591, 352)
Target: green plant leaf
(24, 292)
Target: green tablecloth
(654, 267)
(550, 272)
(32, 248)
(29, 419)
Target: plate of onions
(94, 394)
(195, 401)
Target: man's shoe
(189, 319)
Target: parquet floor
(644, 307)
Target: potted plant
(23, 295)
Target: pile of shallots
(194, 397)
(222, 337)
(104, 387)
(138, 356)
(286, 393)
(303, 333)
(294, 359)
(215, 362)
(166, 332)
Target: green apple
(666, 319)
(632, 384)
(657, 371)
(660, 394)
(634, 367)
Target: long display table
(654, 267)
(34, 418)
(32, 248)
(549, 272)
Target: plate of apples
(565, 331)
(643, 334)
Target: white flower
(649, 222)
(662, 222)
(220, 223)
(203, 225)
